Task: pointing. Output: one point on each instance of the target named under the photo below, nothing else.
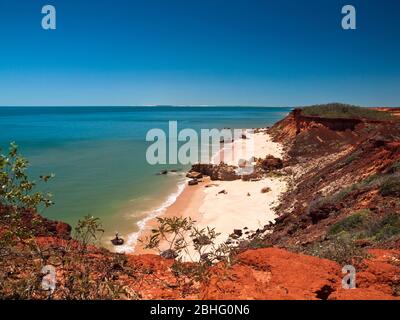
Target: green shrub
(87, 231)
(395, 167)
(257, 243)
(340, 248)
(390, 186)
(17, 195)
(180, 239)
(16, 190)
(350, 223)
(386, 228)
(350, 159)
(331, 199)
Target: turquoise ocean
(98, 156)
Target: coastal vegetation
(88, 231)
(17, 194)
(344, 237)
(345, 111)
(180, 239)
(350, 223)
(340, 248)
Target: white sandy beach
(242, 205)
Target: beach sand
(186, 205)
(242, 205)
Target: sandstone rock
(270, 163)
(222, 171)
(62, 230)
(265, 189)
(256, 175)
(272, 274)
(169, 254)
(322, 212)
(194, 175)
(193, 182)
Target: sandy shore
(242, 205)
(186, 205)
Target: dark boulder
(221, 171)
(169, 254)
(117, 241)
(270, 163)
(194, 175)
(193, 182)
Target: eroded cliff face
(336, 173)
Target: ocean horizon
(98, 156)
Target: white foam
(131, 242)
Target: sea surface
(98, 156)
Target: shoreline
(243, 206)
(134, 237)
(186, 205)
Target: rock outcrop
(39, 225)
(221, 171)
(194, 175)
(270, 163)
(272, 274)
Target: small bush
(390, 186)
(87, 231)
(350, 223)
(16, 191)
(386, 228)
(179, 239)
(352, 157)
(395, 167)
(258, 243)
(341, 249)
(319, 203)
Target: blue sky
(199, 52)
